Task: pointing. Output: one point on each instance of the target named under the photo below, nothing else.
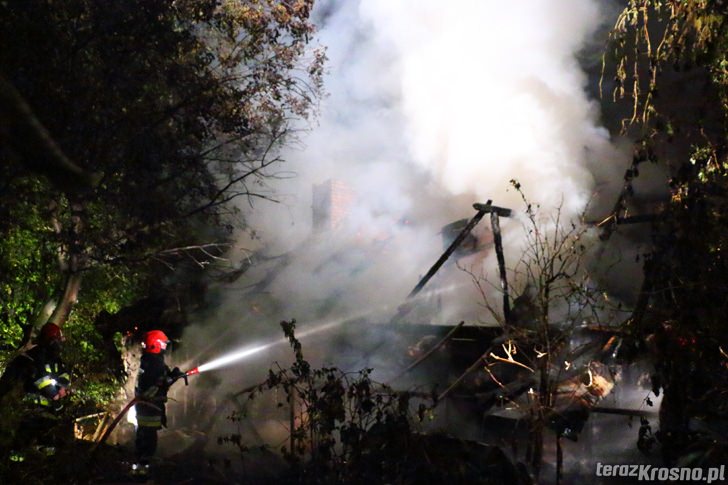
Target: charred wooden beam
(489, 208)
(484, 209)
(475, 365)
(428, 353)
(625, 412)
(640, 218)
(614, 220)
(609, 224)
(651, 270)
(495, 223)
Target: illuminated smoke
(248, 351)
(433, 106)
(492, 91)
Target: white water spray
(244, 353)
(233, 357)
(238, 355)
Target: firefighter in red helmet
(153, 382)
(34, 386)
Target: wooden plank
(494, 221)
(428, 353)
(451, 249)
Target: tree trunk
(68, 299)
(71, 265)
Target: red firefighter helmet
(154, 342)
(50, 332)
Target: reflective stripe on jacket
(149, 421)
(50, 383)
(43, 401)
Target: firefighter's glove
(175, 375)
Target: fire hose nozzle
(178, 374)
(191, 372)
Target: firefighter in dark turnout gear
(153, 382)
(34, 387)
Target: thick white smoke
(432, 106)
(492, 91)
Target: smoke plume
(432, 106)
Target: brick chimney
(332, 201)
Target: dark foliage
(350, 429)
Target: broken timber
(428, 353)
(495, 224)
(482, 209)
(625, 412)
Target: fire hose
(132, 402)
